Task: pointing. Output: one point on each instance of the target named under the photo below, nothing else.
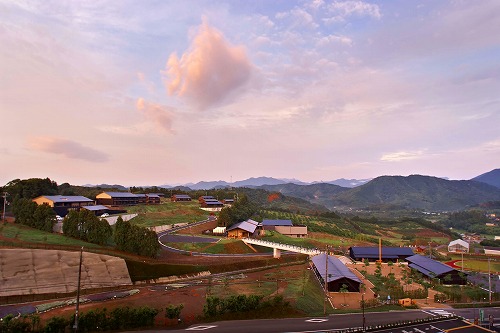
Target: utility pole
(489, 281)
(326, 280)
(75, 326)
(4, 202)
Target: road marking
(316, 320)
(201, 328)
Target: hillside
(417, 192)
(321, 194)
(491, 178)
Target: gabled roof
(121, 194)
(215, 202)
(67, 198)
(140, 195)
(428, 266)
(459, 242)
(182, 196)
(245, 225)
(387, 252)
(152, 195)
(336, 269)
(277, 223)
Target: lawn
(167, 213)
(14, 233)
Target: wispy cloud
(341, 10)
(67, 148)
(210, 71)
(402, 156)
(160, 116)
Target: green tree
(44, 217)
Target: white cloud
(341, 10)
(210, 71)
(402, 156)
(160, 116)
(68, 148)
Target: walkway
(278, 247)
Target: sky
(171, 92)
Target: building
(141, 198)
(372, 253)
(285, 227)
(459, 246)
(272, 224)
(219, 230)
(228, 202)
(204, 198)
(117, 199)
(432, 269)
(296, 231)
(180, 197)
(245, 229)
(490, 250)
(61, 204)
(97, 209)
(152, 199)
(212, 204)
(339, 275)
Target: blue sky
(167, 92)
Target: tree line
(85, 225)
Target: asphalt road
(342, 322)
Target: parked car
(59, 218)
(105, 215)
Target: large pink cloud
(209, 71)
(160, 116)
(67, 148)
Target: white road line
(201, 328)
(316, 320)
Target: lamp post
(363, 310)
(4, 201)
(75, 326)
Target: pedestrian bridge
(278, 247)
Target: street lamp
(363, 310)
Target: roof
(428, 266)
(459, 242)
(182, 196)
(387, 252)
(121, 194)
(207, 197)
(245, 225)
(141, 195)
(67, 198)
(336, 269)
(277, 222)
(95, 207)
(216, 202)
(152, 195)
(491, 248)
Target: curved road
(165, 235)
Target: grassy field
(167, 213)
(15, 233)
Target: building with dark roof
(152, 199)
(180, 197)
(212, 204)
(245, 229)
(271, 224)
(117, 199)
(338, 274)
(204, 198)
(97, 209)
(360, 253)
(61, 204)
(433, 269)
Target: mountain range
(261, 181)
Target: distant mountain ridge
(417, 192)
(261, 181)
(492, 178)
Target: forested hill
(321, 193)
(491, 178)
(417, 192)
